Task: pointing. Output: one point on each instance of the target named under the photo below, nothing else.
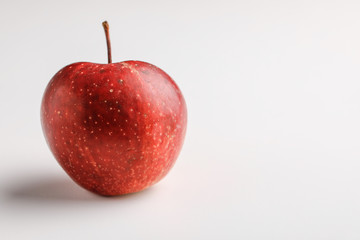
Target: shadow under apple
(56, 190)
(47, 189)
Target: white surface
(273, 143)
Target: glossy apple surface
(114, 128)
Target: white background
(273, 143)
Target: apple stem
(106, 28)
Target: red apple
(115, 128)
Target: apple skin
(115, 128)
